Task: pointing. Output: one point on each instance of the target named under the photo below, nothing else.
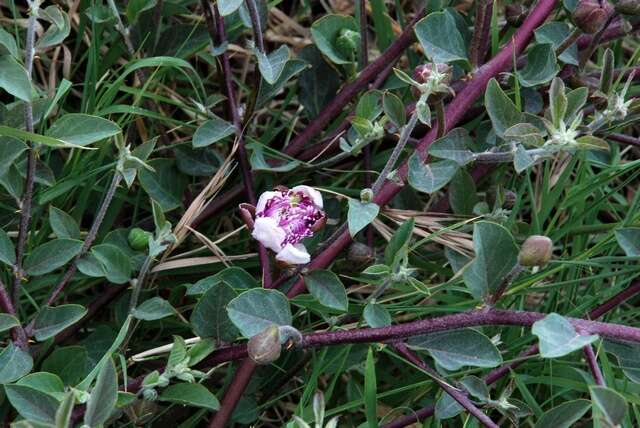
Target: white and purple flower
(284, 217)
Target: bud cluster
(178, 367)
(433, 79)
(564, 135)
(617, 108)
(430, 82)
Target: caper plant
(291, 214)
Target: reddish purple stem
(480, 39)
(232, 395)
(615, 30)
(624, 139)
(476, 318)
(215, 25)
(381, 66)
(369, 73)
(454, 112)
(592, 361)
(502, 371)
(456, 394)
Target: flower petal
(266, 231)
(315, 196)
(294, 255)
(264, 198)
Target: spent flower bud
(628, 7)
(535, 251)
(366, 195)
(264, 348)
(591, 15)
(360, 253)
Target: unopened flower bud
(366, 196)
(515, 14)
(264, 348)
(591, 15)
(628, 7)
(139, 239)
(360, 253)
(535, 251)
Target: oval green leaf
(51, 255)
(14, 363)
(52, 320)
(327, 288)
(440, 37)
(190, 394)
(459, 348)
(82, 129)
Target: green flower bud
(347, 41)
(139, 239)
(535, 251)
(591, 15)
(264, 348)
